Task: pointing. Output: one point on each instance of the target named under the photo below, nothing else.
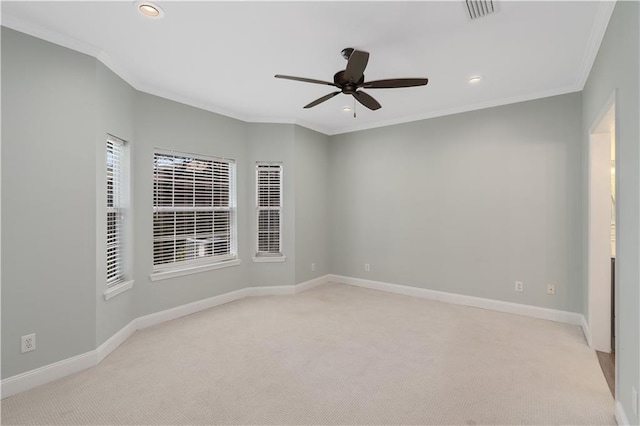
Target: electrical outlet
(519, 286)
(28, 343)
(367, 268)
(313, 267)
(551, 289)
(634, 400)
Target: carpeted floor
(608, 365)
(335, 354)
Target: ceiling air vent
(479, 8)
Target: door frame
(599, 268)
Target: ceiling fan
(351, 79)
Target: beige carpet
(334, 355)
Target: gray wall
(58, 106)
(168, 125)
(271, 142)
(616, 68)
(467, 203)
(48, 201)
(312, 204)
(115, 116)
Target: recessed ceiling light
(346, 108)
(149, 9)
(475, 79)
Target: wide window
(115, 211)
(269, 209)
(194, 211)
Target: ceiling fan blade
(356, 65)
(305, 80)
(367, 100)
(393, 83)
(321, 100)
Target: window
(115, 212)
(194, 211)
(269, 209)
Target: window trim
(170, 270)
(269, 257)
(119, 183)
(165, 275)
(117, 289)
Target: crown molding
(605, 9)
(461, 109)
(301, 123)
(598, 30)
(23, 26)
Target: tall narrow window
(115, 213)
(269, 209)
(194, 210)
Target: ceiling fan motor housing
(351, 79)
(347, 86)
(346, 52)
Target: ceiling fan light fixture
(346, 108)
(475, 79)
(149, 9)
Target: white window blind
(194, 210)
(269, 208)
(115, 213)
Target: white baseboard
(114, 341)
(460, 299)
(308, 285)
(48, 373)
(279, 290)
(621, 416)
(585, 330)
(287, 289)
(188, 309)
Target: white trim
(114, 341)
(457, 110)
(604, 110)
(139, 85)
(279, 290)
(598, 30)
(287, 289)
(48, 373)
(157, 276)
(599, 286)
(460, 299)
(117, 289)
(269, 259)
(621, 416)
(201, 305)
(585, 330)
(189, 308)
(315, 282)
(55, 37)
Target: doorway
(602, 239)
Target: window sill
(118, 289)
(157, 276)
(269, 259)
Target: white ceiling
(222, 56)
